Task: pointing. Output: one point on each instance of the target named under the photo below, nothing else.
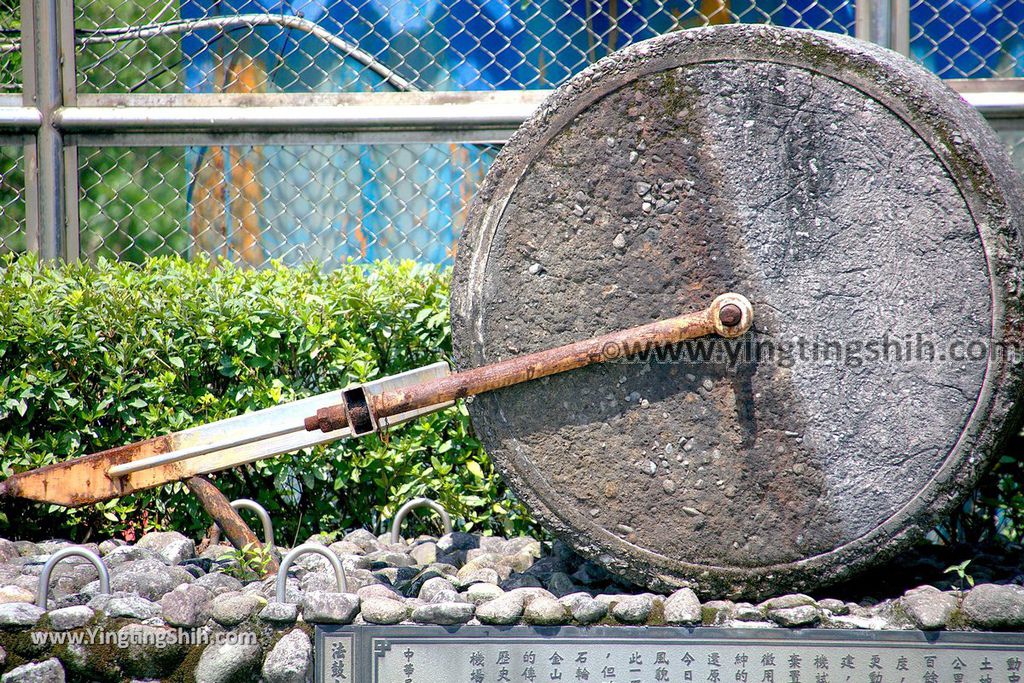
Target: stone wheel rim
(977, 165)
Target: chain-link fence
(12, 199)
(330, 203)
(128, 183)
(246, 46)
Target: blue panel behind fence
(368, 202)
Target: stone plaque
(871, 217)
(523, 654)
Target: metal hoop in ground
(261, 512)
(403, 512)
(282, 574)
(854, 199)
(60, 556)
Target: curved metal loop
(396, 526)
(261, 512)
(282, 573)
(64, 553)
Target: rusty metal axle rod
(355, 411)
(729, 315)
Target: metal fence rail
(350, 128)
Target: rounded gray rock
(633, 609)
(546, 611)
(186, 606)
(321, 607)
(15, 615)
(793, 617)
(151, 579)
(280, 612)
(444, 613)
(768, 159)
(682, 607)
(437, 589)
(290, 660)
(229, 662)
(125, 606)
(928, 608)
(172, 546)
(584, 609)
(69, 618)
(989, 606)
(504, 610)
(218, 582)
(231, 609)
(383, 610)
(479, 593)
(49, 671)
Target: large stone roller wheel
(852, 198)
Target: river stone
(69, 618)
(424, 553)
(786, 601)
(229, 662)
(322, 607)
(502, 611)
(231, 609)
(280, 612)
(762, 164)
(383, 610)
(152, 652)
(218, 582)
(584, 609)
(633, 609)
(928, 607)
(151, 579)
(682, 607)
(444, 613)
(8, 550)
(130, 553)
(125, 606)
(290, 660)
(15, 615)
(186, 606)
(49, 671)
(792, 617)
(989, 606)
(378, 590)
(479, 593)
(836, 607)
(435, 588)
(16, 594)
(546, 611)
(105, 547)
(172, 546)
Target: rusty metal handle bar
(729, 315)
(354, 411)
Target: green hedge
(95, 356)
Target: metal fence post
(51, 166)
(885, 22)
